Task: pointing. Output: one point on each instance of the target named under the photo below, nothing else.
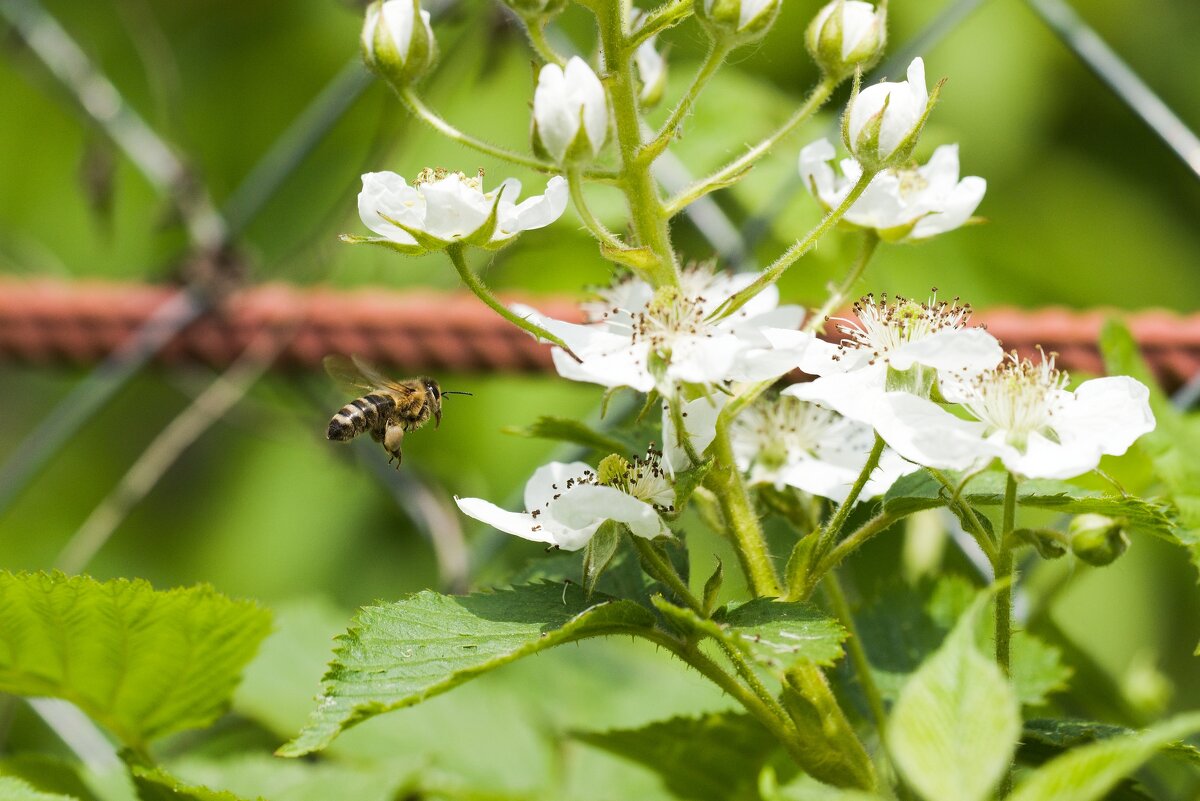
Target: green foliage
(399, 654)
(1088, 772)
(564, 429)
(955, 726)
(49, 774)
(155, 784)
(716, 757)
(254, 775)
(599, 552)
(142, 663)
(920, 490)
(14, 789)
(1174, 444)
(1044, 738)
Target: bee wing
(348, 374)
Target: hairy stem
(535, 29)
(480, 290)
(670, 129)
(597, 228)
(658, 20)
(729, 173)
(852, 543)
(725, 481)
(1004, 575)
(870, 242)
(659, 566)
(793, 254)
(967, 514)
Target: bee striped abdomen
(359, 415)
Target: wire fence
(207, 320)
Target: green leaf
(920, 490)
(155, 784)
(1088, 772)
(562, 429)
(1044, 738)
(254, 775)
(775, 634)
(401, 653)
(14, 789)
(831, 750)
(954, 728)
(49, 774)
(140, 662)
(686, 482)
(1173, 445)
(716, 757)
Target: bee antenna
(456, 392)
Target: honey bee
(388, 410)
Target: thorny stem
(725, 481)
(597, 228)
(793, 254)
(675, 409)
(659, 567)
(852, 543)
(477, 287)
(729, 173)
(670, 129)
(858, 655)
(870, 242)
(1004, 596)
(647, 216)
(975, 528)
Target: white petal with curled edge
(590, 505)
(923, 432)
(1043, 458)
(387, 193)
(518, 524)
(954, 349)
(856, 394)
(537, 211)
(956, 209)
(1112, 412)
(549, 480)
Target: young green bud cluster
(397, 41)
(847, 35)
(737, 22)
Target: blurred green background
(1085, 208)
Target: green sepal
(428, 241)
(834, 753)
(712, 588)
(686, 482)
(482, 236)
(382, 241)
(599, 553)
(641, 260)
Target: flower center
(644, 479)
(785, 425)
(431, 175)
(911, 182)
(884, 326)
(1018, 398)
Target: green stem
(675, 409)
(833, 528)
(746, 671)
(1004, 577)
(852, 543)
(670, 129)
(870, 242)
(725, 481)
(730, 172)
(480, 290)
(597, 229)
(795, 252)
(858, 655)
(661, 18)
(647, 218)
(974, 527)
(535, 29)
(659, 567)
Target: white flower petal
(518, 524)
(453, 209)
(397, 20)
(923, 432)
(855, 394)
(589, 505)
(386, 193)
(971, 349)
(549, 480)
(1111, 412)
(538, 211)
(956, 209)
(700, 423)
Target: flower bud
(882, 122)
(397, 42)
(737, 21)
(1049, 542)
(570, 112)
(652, 73)
(1098, 540)
(845, 35)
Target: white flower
(393, 44)
(897, 345)
(788, 442)
(570, 111)
(442, 208)
(700, 425)
(1020, 413)
(854, 38)
(901, 203)
(884, 117)
(645, 340)
(565, 504)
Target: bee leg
(391, 443)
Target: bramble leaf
(155, 784)
(716, 757)
(14, 789)
(562, 429)
(954, 728)
(1045, 738)
(401, 653)
(1088, 772)
(142, 663)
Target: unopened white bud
(737, 21)
(570, 112)
(397, 41)
(845, 35)
(882, 122)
